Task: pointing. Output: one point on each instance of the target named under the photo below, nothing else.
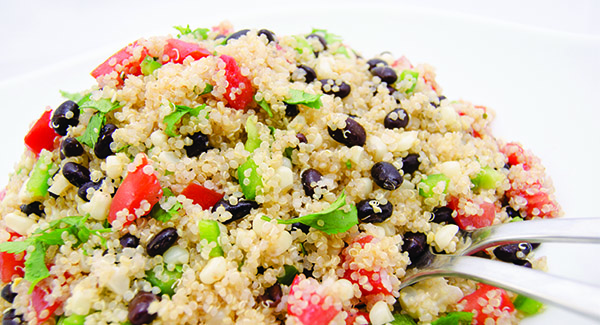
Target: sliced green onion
(71, 320)
(37, 185)
(209, 230)
(251, 183)
(149, 65)
(401, 319)
(166, 287)
(411, 77)
(455, 318)
(527, 305)
(253, 141)
(488, 178)
(427, 184)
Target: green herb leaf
(330, 38)
(14, 247)
(527, 305)
(288, 276)
(179, 112)
(302, 44)
(265, 106)
(198, 33)
(103, 105)
(207, 89)
(455, 318)
(163, 215)
(348, 164)
(92, 131)
(53, 237)
(149, 65)
(342, 50)
(402, 319)
(76, 97)
(306, 99)
(332, 220)
(35, 265)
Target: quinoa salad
(222, 176)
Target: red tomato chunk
(43, 309)
(239, 92)
(138, 193)
(306, 305)
(206, 198)
(487, 302)
(41, 135)
(483, 218)
(11, 264)
(125, 62)
(177, 50)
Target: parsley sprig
(198, 33)
(35, 265)
(306, 99)
(178, 113)
(92, 131)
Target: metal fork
(573, 295)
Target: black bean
(353, 134)
(309, 74)
(10, 317)
(76, 174)
(410, 163)
(220, 36)
(7, 293)
(129, 240)
(396, 119)
(415, 244)
(268, 34)
(34, 207)
(70, 147)
(366, 211)
(386, 175)
(82, 192)
(65, 115)
(238, 211)
(138, 308)
(330, 87)
(162, 241)
(512, 252)
(301, 138)
(199, 145)
(376, 63)
(237, 34)
(300, 226)
(310, 178)
(524, 263)
(272, 296)
(321, 40)
(102, 148)
(291, 110)
(442, 214)
(512, 212)
(386, 74)
(535, 245)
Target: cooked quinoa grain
(220, 177)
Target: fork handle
(569, 294)
(567, 230)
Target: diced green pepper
(166, 287)
(253, 141)
(71, 320)
(288, 276)
(411, 77)
(401, 319)
(37, 185)
(527, 305)
(251, 183)
(455, 318)
(488, 178)
(427, 184)
(209, 230)
(149, 65)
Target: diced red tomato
(472, 221)
(306, 305)
(129, 65)
(11, 264)
(43, 309)
(495, 301)
(177, 50)
(41, 135)
(354, 314)
(377, 280)
(239, 92)
(137, 194)
(402, 63)
(206, 198)
(539, 203)
(516, 155)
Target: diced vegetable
(253, 141)
(167, 287)
(198, 33)
(265, 106)
(41, 135)
(330, 38)
(289, 274)
(177, 50)
(201, 195)
(370, 281)
(72, 320)
(309, 309)
(37, 185)
(467, 221)
(239, 92)
(137, 194)
(411, 77)
(11, 264)
(209, 230)
(162, 215)
(149, 65)
(428, 183)
(488, 178)
(402, 319)
(527, 305)
(487, 302)
(306, 99)
(332, 220)
(124, 58)
(43, 309)
(249, 179)
(455, 318)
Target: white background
(534, 62)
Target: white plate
(543, 86)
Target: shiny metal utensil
(573, 295)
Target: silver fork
(573, 295)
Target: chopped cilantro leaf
(306, 99)
(401, 319)
(302, 45)
(76, 97)
(163, 215)
(92, 131)
(207, 89)
(455, 318)
(14, 247)
(179, 112)
(198, 33)
(183, 30)
(332, 220)
(103, 105)
(35, 265)
(348, 164)
(264, 105)
(329, 37)
(289, 274)
(343, 50)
